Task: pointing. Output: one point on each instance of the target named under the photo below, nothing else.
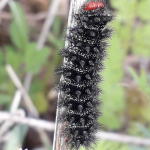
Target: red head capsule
(93, 5)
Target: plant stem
(59, 141)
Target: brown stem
(59, 140)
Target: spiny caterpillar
(79, 90)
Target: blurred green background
(126, 77)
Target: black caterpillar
(84, 57)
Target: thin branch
(58, 142)
(14, 106)
(20, 87)
(48, 23)
(15, 102)
(49, 126)
(36, 123)
(123, 138)
(28, 101)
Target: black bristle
(84, 54)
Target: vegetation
(126, 85)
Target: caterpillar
(84, 55)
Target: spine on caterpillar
(84, 57)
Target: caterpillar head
(93, 5)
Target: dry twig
(58, 142)
(123, 138)
(29, 104)
(20, 87)
(14, 106)
(49, 126)
(36, 123)
(48, 23)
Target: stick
(36, 123)
(123, 138)
(14, 106)
(49, 126)
(58, 142)
(19, 86)
(28, 101)
(48, 23)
